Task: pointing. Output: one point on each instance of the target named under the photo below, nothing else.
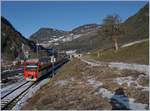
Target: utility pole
(53, 61)
(37, 48)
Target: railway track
(8, 100)
(2, 97)
(11, 98)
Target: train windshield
(31, 67)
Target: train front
(31, 68)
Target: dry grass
(69, 88)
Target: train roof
(32, 60)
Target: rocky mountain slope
(47, 34)
(13, 44)
(51, 36)
(85, 28)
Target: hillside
(47, 34)
(137, 26)
(128, 54)
(85, 28)
(11, 42)
(87, 42)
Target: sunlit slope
(138, 53)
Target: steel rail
(14, 90)
(10, 102)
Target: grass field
(138, 53)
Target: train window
(44, 59)
(31, 67)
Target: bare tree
(111, 28)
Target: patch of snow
(105, 93)
(76, 36)
(123, 80)
(137, 106)
(131, 99)
(61, 37)
(72, 78)
(91, 63)
(6, 70)
(56, 43)
(69, 37)
(62, 82)
(95, 63)
(49, 41)
(66, 39)
(68, 52)
(129, 80)
(9, 88)
(137, 67)
(71, 34)
(94, 83)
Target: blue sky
(28, 16)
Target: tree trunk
(116, 44)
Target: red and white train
(35, 68)
(31, 69)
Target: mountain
(47, 34)
(86, 37)
(13, 44)
(85, 28)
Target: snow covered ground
(9, 88)
(13, 79)
(29, 94)
(130, 80)
(108, 94)
(120, 65)
(122, 80)
(131, 104)
(62, 82)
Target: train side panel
(36, 69)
